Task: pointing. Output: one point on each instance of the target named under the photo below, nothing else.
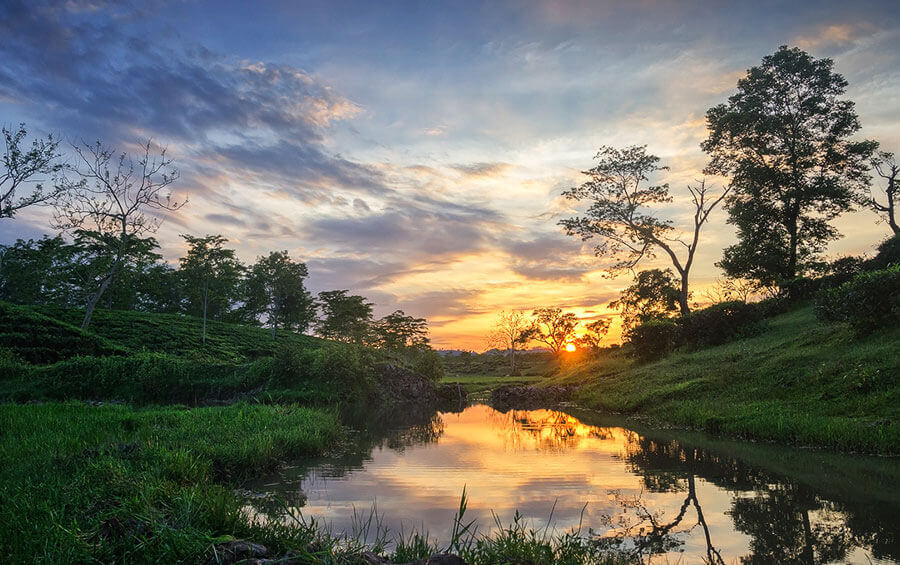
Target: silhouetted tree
(593, 335)
(274, 288)
(784, 139)
(38, 271)
(344, 317)
(887, 168)
(654, 294)
(114, 205)
(620, 214)
(398, 331)
(22, 165)
(511, 330)
(211, 277)
(553, 327)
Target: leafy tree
(593, 335)
(886, 167)
(653, 295)
(553, 327)
(344, 318)
(620, 213)
(784, 139)
(274, 288)
(511, 330)
(38, 271)
(113, 207)
(21, 165)
(211, 276)
(399, 331)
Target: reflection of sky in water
(527, 461)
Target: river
(659, 495)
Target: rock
(528, 397)
(237, 551)
(401, 385)
(373, 559)
(440, 559)
(451, 395)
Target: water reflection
(648, 492)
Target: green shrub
(331, 373)
(888, 254)
(654, 339)
(428, 362)
(720, 323)
(868, 302)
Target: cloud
(482, 169)
(550, 258)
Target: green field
(798, 382)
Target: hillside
(799, 381)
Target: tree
(274, 288)
(38, 271)
(887, 168)
(21, 165)
(399, 331)
(592, 338)
(784, 139)
(211, 275)
(344, 318)
(654, 294)
(511, 330)
(620, 216)
(115, 204)
(553, 327)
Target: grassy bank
(474, 384)
(798, 382)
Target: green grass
(798, 382)
(473, 384)
(116, 484)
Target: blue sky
(415, 152)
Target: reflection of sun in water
(570, 347)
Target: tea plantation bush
(869, 302)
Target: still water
(658, 495)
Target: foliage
(344, 318)
(553, 327)
(654, 294)
(593, 335)
(210, 276)
(428, 362)
(331, 373)
(399, 331)
(653, 338)
(784, 139)
(869, 302)
(720, 323)
(511, 331)
(888, 254)
(22, 165)
(274, 289)
(38, 271)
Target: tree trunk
(92, 303)
(512, 360)
(892, 218)
(205, 302)
(683, 297)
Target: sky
(416, 152)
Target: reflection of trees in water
(639, 532)
(548, 430)
(786, 521)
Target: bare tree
(887, 168)
(21, 166)
(553, 327)
(115, 203)
(511, 330)
(729, 289)
(619, 214)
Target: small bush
(799, 288)
(654, 339)
(868, 302)
(428, 362)
(720, 323)
(888, 254)
(331, 373)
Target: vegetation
(798, 382)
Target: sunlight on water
(646, 496)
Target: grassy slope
(800, 382)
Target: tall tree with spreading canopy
(886, 167)
(345, 317)
(621, 217)
(24, 165)
(592, 337)
(399, 331)
(511, 330)
(274, 288)
(113, 207)
(784, 139)
(211, 277)
(553, 327)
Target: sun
(570, 347)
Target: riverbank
(798, 382)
